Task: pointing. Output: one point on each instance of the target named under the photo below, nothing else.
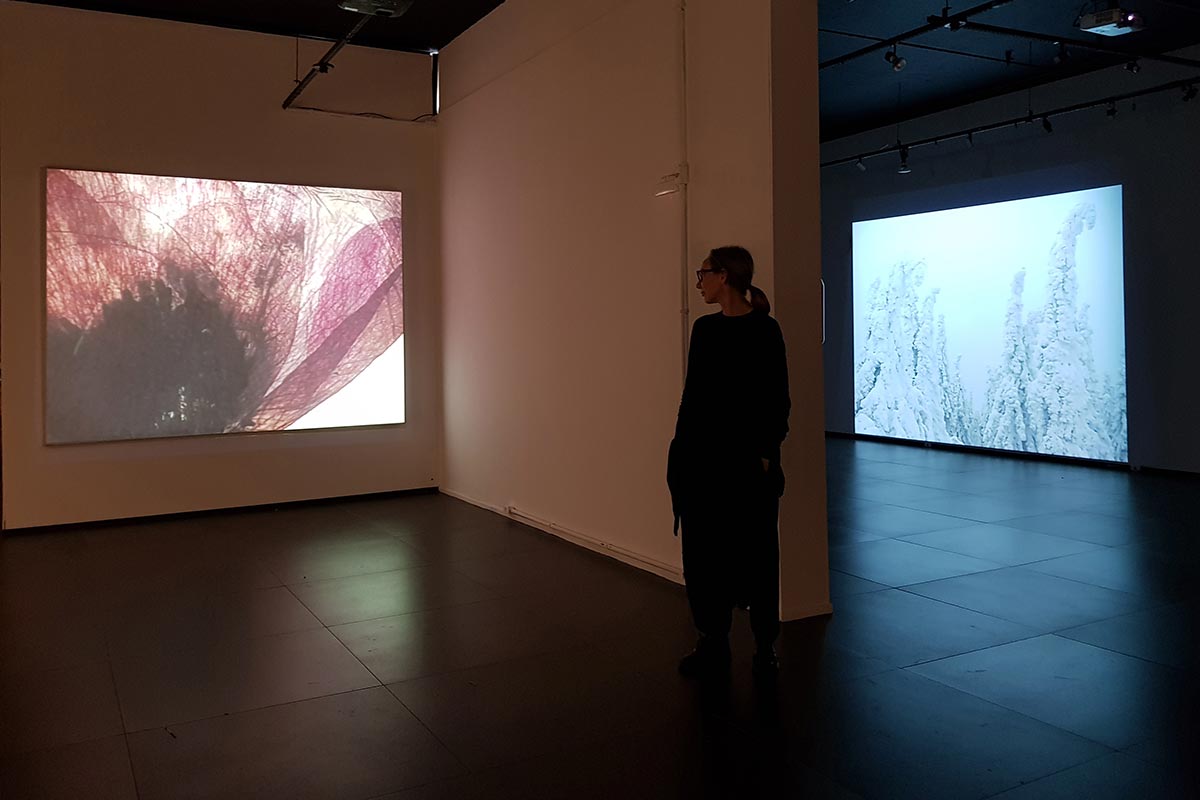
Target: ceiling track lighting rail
(1009, 58)
(947, 20)
(325, 64)
(1079, 44)
(367, 9)
(1188, 85)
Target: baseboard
(653, 566)
(467, 499)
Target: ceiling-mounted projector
(377, 8)
(1112, 22)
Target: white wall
(563, 274)
(1151, 151)
(97, 91)
(561, 267)
(796, 207)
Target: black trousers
(731, 559)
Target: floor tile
(900, 628)
(57, 707)
(978, 508)
(999, 544)
(842, 584)
(388, 594)
(1098, 694)
(96, 770)
(655, 607)
(517, 709)
(1131, 569)
(898, 735)
(893, 521)
(1043, 603)
(194, 621)
(898, 563)
(42, 633)
(138, 563)
(887, 470)
(1112, 777)
(354, 745)
(840, 535)
(442, 640)
(556, 571)
(1165, 634)
(892, 492)
(495, 536)
(1057, 496)
(1177, 752)
(979, 480)
(1084, 526)
(184, 685)
(700, 761)
(551, 672)
(314, 562)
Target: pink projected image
(185, 306)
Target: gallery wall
(565, 276)
(117, 93)
(562, 342)
(1148, 147)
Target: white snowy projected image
(998, 326)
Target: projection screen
(998, 326)
(187, 306)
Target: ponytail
(758, 299)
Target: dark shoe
(709, 658)
(765, 663)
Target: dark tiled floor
(1002, 628)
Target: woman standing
(723, 468)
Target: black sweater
(735, 398)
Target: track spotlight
(970, 139)
(898, 62)
(862, 167)
(377, 8)
(1062, 56)
(1046, 126)
(904, 168)
(1112, 110)
(1133, 67)
(1189, 92)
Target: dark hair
(738, 266)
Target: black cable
(368, 114)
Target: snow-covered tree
(1116, 418)
(1005, 419)
(956, 407)
(930, 410)
(1043, 394)
(1099, 392)
(1057, 396)
(894, 382)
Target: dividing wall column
(753, 153)
(796, 202)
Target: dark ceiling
(866, 93)
(944, 68)
(428, 25)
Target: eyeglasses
(700, 273)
